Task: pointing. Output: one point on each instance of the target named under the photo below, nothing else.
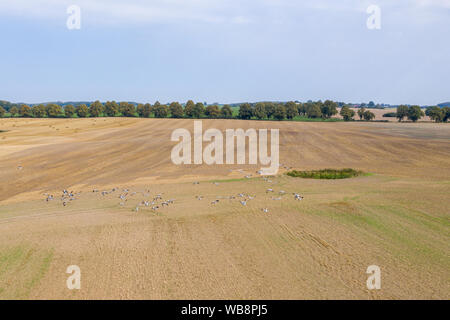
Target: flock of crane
(157, 202)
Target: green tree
(329, 109)
(301, 108)
(226, 112)
(291, 110)
(155, 106)
(435, 113)
(280, 112)
(270, 109)
(123, 107)
(39, 111)
(402, 112)
(212, 112)
(245, 111)
(2, 112)
(111, 108)
(446, 112)
(189, 109)
(260, 111)
(148, 110)
(361, 113)
(161, 111)
(176, 110)
(415, 113)
(96, 109)
(368, 115)
(140, 110)
(82, 111)
(25, 111)
(198, 111)
(347, 113)
(127, 109)
(54, 110)
(313, 110)
(69, 111)
(13, 111)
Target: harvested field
(320, 247)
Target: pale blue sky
(225, 51)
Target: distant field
(319, 247)
(379, 114)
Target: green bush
(226, 112)
(326, 174)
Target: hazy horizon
(208, 102)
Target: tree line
(262, 111)
(125, 109)
(415, 113)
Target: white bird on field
(265, 210)
(244, 203)
(298, 197)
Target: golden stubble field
(396, 218)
